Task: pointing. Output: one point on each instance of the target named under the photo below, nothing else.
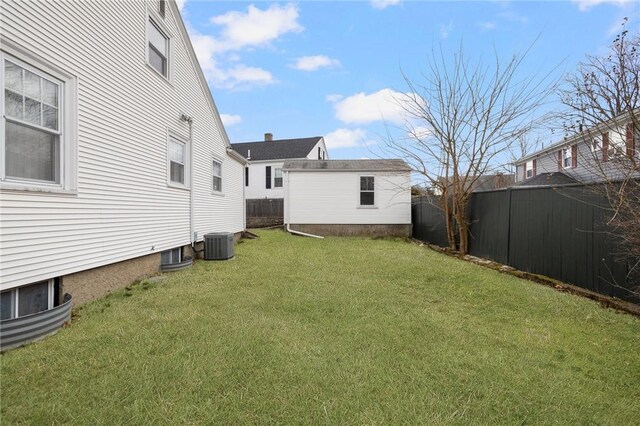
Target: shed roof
(392, 165)
(280, 149)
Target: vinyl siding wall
(589, 168)
(334, 197)
(257, 174)
(123, 207)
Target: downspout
(286, 210)
(187, 119)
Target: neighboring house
(263, 175)
(114, 157)
(592, 155)
(348, 197)
(481, 183)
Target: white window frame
(275, 169)
(566, 156)
(187, 167)
(173, 253)
(157, 21)
(374, 191)
(528, 167)
(16, 300)
(596, 144)
(67, 123)
(216, 191)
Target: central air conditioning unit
(218, 246)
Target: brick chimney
(268, 137)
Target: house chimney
(268, 137)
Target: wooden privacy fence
(265, 212)
(557, 232)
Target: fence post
(509, 230)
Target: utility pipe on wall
(187, 119)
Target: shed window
(32, 115)
(367, 191)
(217, 176)
(277, 178)
(158, 48)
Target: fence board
(557, 232)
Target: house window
(217, 176)
(529, 169)
(566, 157)
(246, 176)
(596, 145)
(32, 142)
(170, 257)
(177, 157)
(27, 300)
(158, 48)
(319, 153)
(277, 178)
(367, 191)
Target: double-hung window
(277, 178)
(32, 121)
(217, 176)
(529, 169)
(367, 191)
(158, 49)
(177, 161)
(566, 157)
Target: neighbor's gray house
(113, 157)
(594, 154)
(263, 174)
(348, 197)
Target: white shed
(348, 197)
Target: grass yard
(341, 330)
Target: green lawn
(341, 330)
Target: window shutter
(574, 156)
(535, 173)
(560, 160)
(605, 146)
(268, 177)
(246, 176)
(630, 142)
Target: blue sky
(315, 68)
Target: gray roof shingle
(277, 149)
(393, 165)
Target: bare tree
(463, 118)
(603, 100)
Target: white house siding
(331, 197)
(257, 187)
(122, 208)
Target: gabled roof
(548, 179)
(281, 149)
(393, 165)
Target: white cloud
(312, 63)
(383, 4)
(366, 108)
(230, 120)
(585, 5)
(445, 30)
(488, 26)
(333, 97)
(256, 27)
(220, 57)
(346, 138)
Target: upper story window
(217, 176)
(566, 157)
(177, 151)
(277, 178)
(367, 191)
(34, 140)
(158, 49)
(529, 169)
(596, 144)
